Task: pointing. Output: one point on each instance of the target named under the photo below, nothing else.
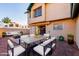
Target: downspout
(71, 10)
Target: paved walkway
(62, 49)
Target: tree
(6, 20)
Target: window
(38, 12)
(58, 27)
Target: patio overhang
(39, 24)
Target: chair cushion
(46, 35)
(46, 42)
(53, 38)
(53, 45)
(10, 44)
(39, 49)
(17, 50)
(32, 35)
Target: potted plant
(70, 39)
(61, 38)
(3, 34)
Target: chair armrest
(53, 45)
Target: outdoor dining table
(30, 42)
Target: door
(42, 30)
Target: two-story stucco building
(54, 18)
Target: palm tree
(6, 20)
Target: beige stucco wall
(77, 30)
(32, 30)
(55, 11)
(2, 30)
(25, 31)
(69, 28)
(50, 11)
(40, 18)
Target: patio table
(30, 41)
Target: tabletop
(29, 40)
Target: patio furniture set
(41, 46)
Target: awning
(39, 24)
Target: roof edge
(30, 6)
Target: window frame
(36, 13)
(56, 27)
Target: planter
(61, 38)
(4, 34)
(70, 39)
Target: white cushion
(13, 33)
(46, 35)
(53, 45)
(46, 42)
(39, 49)
(32, 35)
(17, 51)
(53, 38)
(10, 44)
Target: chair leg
(12, 51)
(25, 49)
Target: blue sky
(14, 11)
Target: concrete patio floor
(3, 47)
(62, 48)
